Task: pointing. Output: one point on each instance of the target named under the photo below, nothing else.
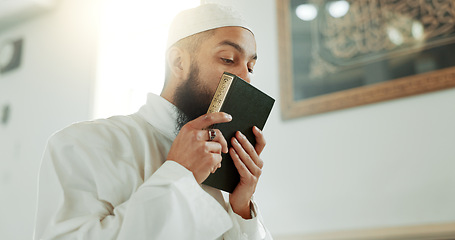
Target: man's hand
(193, 150)
(249, 164)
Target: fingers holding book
(215, 135)
(199, 149)
(249, 165)
(247, 154)
(209, 119)
(260, 140)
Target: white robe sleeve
(185, 210)
(247, 229)
(168, 205)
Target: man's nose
(243, 73)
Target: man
(139, 176)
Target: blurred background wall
(379, 165)
(52, 87)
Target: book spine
(220, 93)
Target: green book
(248, 107)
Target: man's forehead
(240, 39)
(239, 48)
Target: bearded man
(139, 176)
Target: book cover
(248, 107)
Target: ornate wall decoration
(341, 54)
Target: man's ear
(178, 61)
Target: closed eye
(227, 60)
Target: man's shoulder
(100, 131)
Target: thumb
(209, 119)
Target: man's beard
(192, 98)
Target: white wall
(52, 88)
(380, 165)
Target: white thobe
(109, 179)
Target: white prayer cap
(202, 18)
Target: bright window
(132, 43)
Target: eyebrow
(237, 47)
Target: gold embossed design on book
(220, 93)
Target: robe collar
(161, 114)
